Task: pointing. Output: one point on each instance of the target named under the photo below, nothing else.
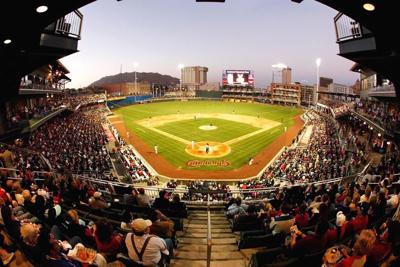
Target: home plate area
(208, 149)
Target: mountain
(150, 77)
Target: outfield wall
(129, 100)
(209, 94)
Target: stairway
(192, 248)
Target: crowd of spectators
(323, 158)
(73, 142)
(200, 190)
(38, 221)
(17, 113)
(136, 169)
(337, 107)
(356, 220)
(380, 113)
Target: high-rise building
(193, 77)
(287, 75)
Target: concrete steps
(203, 248)
(203, 263)
(192, 248)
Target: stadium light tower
(318, 62)
(135, 65)
(180, 67)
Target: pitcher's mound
(215, 149)
(207, 127)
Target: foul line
(170, 135)
(243, 137)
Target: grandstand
(84, 179)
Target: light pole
(135, 65)
(318, 62)
(180, 67)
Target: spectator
(144, 248)
(97, 202)
(176, 204)
(302, 244)
(282, 223)
(237, 208)
(302, 218)
(107, 241)
(360, 251)
(131, 199)
(162, 202)
(143, 199)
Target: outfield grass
(174, 151)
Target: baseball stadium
(147, 169)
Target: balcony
(382, 91)
(352, 37)
(64, 33)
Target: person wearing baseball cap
(143, 248)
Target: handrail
(70, 24)
(209, 238)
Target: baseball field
(205, 135)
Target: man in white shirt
(153, 245)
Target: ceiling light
(41, 9)
(7, 41)
(369, 7)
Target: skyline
(160, 34)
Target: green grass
(189, 129)
(174, 151)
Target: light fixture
(318, 62)
(388, 142)
(379, 134)
(41, 9)
(369, 7)
(7, 41)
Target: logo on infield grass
(209, 162)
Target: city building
(336, 88)
(286, 94)
(193, 77)
(128, 88)
(287, 75)
(323, 91)
(307, 94)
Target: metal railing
(383, 88)
(70, 25)
(347, 28)
(209, 237)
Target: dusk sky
(240, 34)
